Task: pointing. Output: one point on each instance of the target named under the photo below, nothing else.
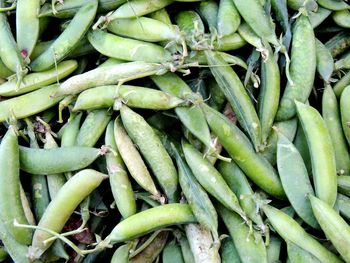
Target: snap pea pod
(128, 49)
(321, 152)
(342, 18)
(132, 159)
(65, 43)
(335, 227)
(71, 130)
(273, 250)
(161, 15)
(209, 11)
(324, 61)
(151, 219)
(316, 18)
(291, 231)
(242, 152)
(339, 43)
(295, 180)
(38, 80)
(201, 244)
(237, 96)
(120, 184)
(250, 249)
(344, 184)
(343, 203)
(331, 115)
(10, 201)
(302, 68)
(310, 5)
(121, 255)
(108, 75)
(228, 18)
(229, 43)
(333, 4)
(27, 25)
(229, 252)
(344, 112)
(59, 160)
(172, 253)
(92, 128)
(63, 205)
(186, 250)
(341, 84)
(210, 179)
(133, 96)
(298, 255)
(150, 146)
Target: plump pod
(345, 113)
(59, 160)
(150, 220)
(324, 61)
(333, 225)
(63, 205)
(321, 152)
(228, 18)
(302, 68)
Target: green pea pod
(63, 205)
(150, 146)
(269, 94)
(121, 255)
(151, 219)
(35, 81)
(128, 49)
(10, 201)
(92, 128)
(321, 152)
(341, 84)
(249, 248)
(324, 61)
(343, 202)
(288, 128)
(263, 27)
(229, 253)
(210, 179)
(186, 250)
(27, 25)
(133, 96)
(342, 18)
(273, 250)
(331, 115)
(237, 96)
(65, 43)
(344, 184)
(239, 184)
(192, 118)
(344, 111)
(316, 18)
(335, 227)
(108, 75)
(339, 43)
(295, 180)
(229, 43)
(53, 161)
(302, 68)
(298, 255)
(209, 11)
(240, 149)
(228, 18)
(71, 130)
(297, 4)
(291, 231)
(333, 4)
(152, 251)
(343, 62)
(196, 196)
(132, 159)
(172, 253)
(120, 184)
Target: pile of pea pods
(175, 131)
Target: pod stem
(64, 104)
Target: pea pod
(240, 149)
(229, 252)
(53, 161)
(297, 255)
(335, 227)
(273, 250)
(186, 250)
(302, 68)
(152, 150)
(316, 18)
(27, 25)
(344, 112)
(237, 96)
(342, 18)
(118, 178)
(295, 179)
(228, 18)
(331, 115)
(71, 130)
(279, 7)
(121, 255)
(344, 184)
(63, 205)
(324, 61)
(333, 4)
(339, 43)
(209, 11)
(10, 201)
(35, 81)
(291, 231)
(65, 43)
(229, 43)
(150, 220)
(343, 202)
(172, 253)
(128, 49)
